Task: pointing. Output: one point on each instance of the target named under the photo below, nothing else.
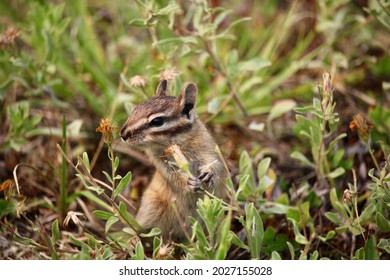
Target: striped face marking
(158, 115)
(161, 116)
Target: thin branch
(355, 203)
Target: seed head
(9, 35)
(359, 123)
(138, 81)
(327, 83)
(74, 217)
(164, 252)
(108, 130)
(168, 74)
(347, 196)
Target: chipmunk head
(162, 120)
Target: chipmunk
(171, 196)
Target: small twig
(33, 168)
(355, 203)
(352, 246)
(373, 156)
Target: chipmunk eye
(159, 121)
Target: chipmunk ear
(162, 88)
(187, 99)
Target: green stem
(111, 156)
(63, 193)
(322, 159)
(373, 156)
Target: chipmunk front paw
(195, 184)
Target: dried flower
(108, 130)
(164, 252)
(347, 196)
(5, 185)
(9, 35)
(138, 81)
(168, 74)
(74, 217)
(179, 157)
(359, 123)
(327, 83)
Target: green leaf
(95, 199)
(110, 222)
(251, 82)
(176, 40)
(171, 7)
(92, 241)
(156, 246)
(139, 252)
(294, 213)
(283, 199)
(360, 254)
(336, 173)
(333, 218)
(382, 222)
(107, 176)
(199, 233)
(336, 204)
(116, 163)
(275, 256)
(314, 255)
(86, 161)
(236, 241)
(245, 165)
(151, 233)
(264, 184)
(55, 232)
(224, 238)
(304, 160)
(262, 167)
(102, 214)
(253, 64)
(221, 16)
(78, 243)
(123, 184)
(330, 235)
(138, 22)
(298, 236)
(341, 229)
(384, 244)
(130, 220)
(280, 108)
(107, 254)
(370, 249)
(367, 214)
(292, 250)
(334, 141)
(243, 186)
(254, 230)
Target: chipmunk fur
(171, 196)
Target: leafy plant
(317, 123)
